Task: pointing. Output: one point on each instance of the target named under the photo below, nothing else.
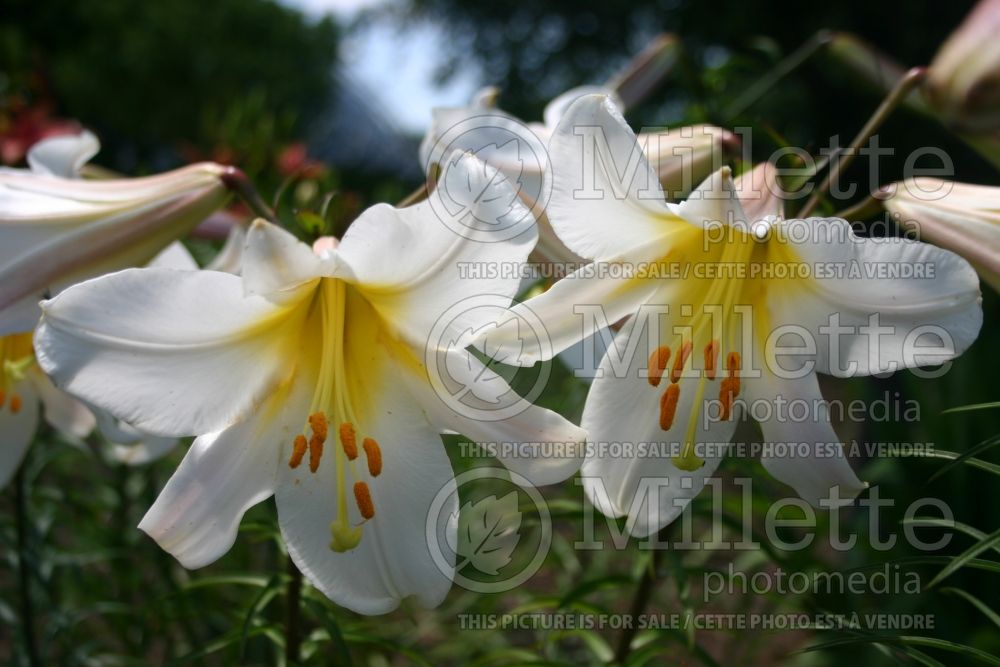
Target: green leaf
(952, 456)
(965, 456)
(975, 602)
(989, 542)
(904, 640)
(969, 408)
(937, 522)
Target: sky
(395, 67)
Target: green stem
(293, 615)
(787, 65)
(902, 89)
(864, 209)
(24, 571)
(640, 599)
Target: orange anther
(3, 397)
(364, 499)
(317, 421)
(733, 362)
(15, 404)
(657, 364)
(349, 440)
(682, 357)
(374, 455)
(315, 452)
(711, 354)
(298, 451)
(668, 406)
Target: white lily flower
(56, 230)
(306, 379)
(681, 156)
(722, 286)
(961, 217)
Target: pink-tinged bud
(961, 217)
(963, 83)
(760, 193)
(56, 231)
(683, 157)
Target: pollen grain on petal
(298, 451)
(668, 405)
(711, 355)
(682, 357)
(374, 455)
(15, 404)
(3, 398)
(363, 497)
(349, 440)
(315, 452)
(657, 364)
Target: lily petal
(607, 202)
(63, 156)
(413, 264)
(66, 414)
(197, 515)
(545, 325)
(946, 300)
(813, 476)
(551, 447)
(275, 261)
(190, 354)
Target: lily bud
(56, 231)
(683, 157)
(964, 78)
(961, 217)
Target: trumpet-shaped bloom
(681, 156)
(961, 217)
(726, 313)
(306, 378)
(56, 229)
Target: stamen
(374, 455)
(364, 499)
(349, 440)
(657, 364)
(15, 404)
(733, 362)
(298, 451)
(727, 392)
(318, 424)
(711, 353)
(315, 452)
(682, 357)
(3, 397)
(668, 406)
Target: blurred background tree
(228, 79)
